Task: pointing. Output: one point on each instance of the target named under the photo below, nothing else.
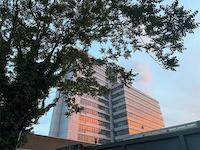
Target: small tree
(43, 40)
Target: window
(118, 101)
(103, 141)
(119, 108)
(92, 104)
(104, 116)
(117, 94)
(117, 88)
(121, 115)
(121, 132)
(93, 112)
(84, 128)
(120, 123)
(106, 96)
(92, 139)
(94, 121)
(103, 101)
(132, 131)
(103, 108)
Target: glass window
(103, 108)
(84, 128)
(121, 107)
(94, 121)
(92, 104)
(121, 115)
(92, 139)
(93, 112)
(118, 101)
(106, 96)
(121, 132)
(117, 88)
(120, 123)
(117, 94)
(103, 101)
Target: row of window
(139, 126)
(92, 139)
(121, 115)
(133, 125)
(121, 132)
(101, 82)
(143, 102)
(118, 101)
(133, 131)
(84, 128)
(143, 106)
(104, 97)
(144, 113)
(143, 98)
(127, 131)
(100, 71)
(144, 117)
(118, 108)
(93, 112)
(120, 123)
(117, 94)
(142, 120)
(103, 101)
(89, 103)
(117, 88)
(94, 121)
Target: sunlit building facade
(133, 112)
(92, 125)
(124, 112)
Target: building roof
(40, 142)
(182, 127)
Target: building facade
(133, 112)
(92, 124)
(123, 112)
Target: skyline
(177, 91)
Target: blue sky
(178, 92)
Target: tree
(42, 40)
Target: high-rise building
(92, 124)
(133, 112)
(106, 119)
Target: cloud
(144, 80)
(145, 75)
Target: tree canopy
(43, 40)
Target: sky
(177, 92)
